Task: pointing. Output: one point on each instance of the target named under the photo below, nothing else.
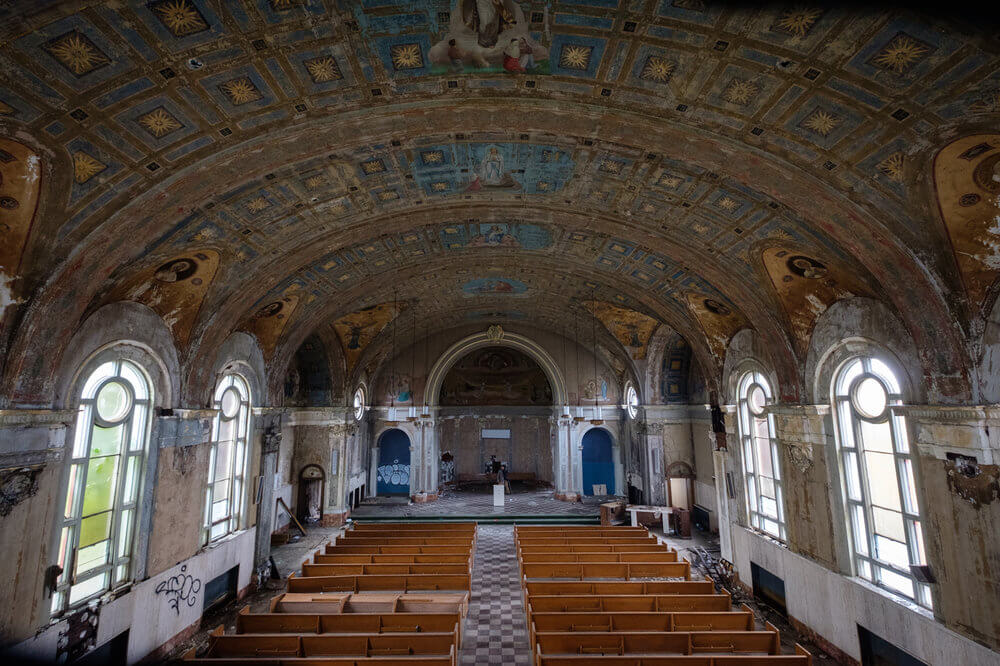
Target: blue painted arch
(392, 474)
(598, 461)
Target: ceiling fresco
(322, 153)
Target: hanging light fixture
(576, 368)
(413, 354)
(597, 409)
(392, 364)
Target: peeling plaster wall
(529, 449)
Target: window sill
(899, 599)
(212, 545)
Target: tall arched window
(877, 474)
(765, 505)
(105, 474)
(227, 462)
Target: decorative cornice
(195, 414)
(797, 410)
(19, 418)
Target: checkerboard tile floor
(495, 632)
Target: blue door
(393, 473)
(598, 465)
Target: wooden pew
(348, 623)
(765, 642)
(800, 658)
(741, 620)
(254, 646)
(639, 603)
(625, 571)
(598, 548)
(396, 528)
(584, 540)
(441, 602)
(381, 569)
(595, 587)
(349, 539)
(667, 556)
(376, 558)
(593, 530)
(375, 582)
(376, 549)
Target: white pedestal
(498, 494)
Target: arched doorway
(312, 483)
(598, 461)
(393, 472)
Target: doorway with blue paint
(598, 461)
(393, 472)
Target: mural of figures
(494, 167)
(632, 329)
(491, 173)
(967, 182)
(807, 287)
(598, 387)
(20, 183)
(269, 321)
(496, 376)
(398, 388)
(718, 319)
(358, 329)
(493, 285)
(496, 234)
(491, 36)
(174, 289)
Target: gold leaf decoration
(86, 167)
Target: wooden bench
(365, 540)
(639, 603)
(381, 569)
(624, 571)
(741, 620)
(668, 556)
(396, 528)
(598, 548)
(373, 582)
(618, 588)
(377, 558)
(590, 530)
(348, 623)
(767, 642)
(331, 603)
(381, 549)
(583, 540)
(800, 658)
(269, 646)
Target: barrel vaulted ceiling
(278, 166)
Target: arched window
(106, 469)
(227, 462)
(765, 506)
(631, 401)
(877, 478)
(359, 403)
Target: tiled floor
(495, 632)
(469, 503)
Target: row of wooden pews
(615, 596)
(380, 594)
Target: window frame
(118, 567)
(360, 400)
(748, 421)
(632, 401)
(239, 460)
(857, 496)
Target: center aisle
(495, 633)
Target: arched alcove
(393, 472)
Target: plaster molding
(317, 417)
(804, 411)
(19, 418)
(194, 414)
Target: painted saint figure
(486, 19)
(492, 174)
